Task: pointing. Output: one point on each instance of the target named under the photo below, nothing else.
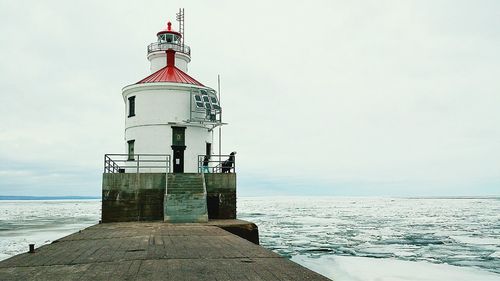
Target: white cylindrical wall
(158, 107)
(157, 139)
(158, 61)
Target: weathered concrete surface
(186, 198)
(152, 251)
(133, 196)
(141, 197)
(221, 195)
(241, 228)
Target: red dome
(169, 30)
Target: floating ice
(341, 268)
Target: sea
(345, 239)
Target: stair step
(186, 199)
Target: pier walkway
(153, 251)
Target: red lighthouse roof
(169, 30)
(170, 73)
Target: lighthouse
(169, 170)
(170, 112)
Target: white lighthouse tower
(170, 112)
(169, 172)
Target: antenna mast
(180, 19)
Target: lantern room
(169, 36)
(169, 39)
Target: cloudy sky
(370, 98)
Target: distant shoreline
(10, 197)
(48, 197)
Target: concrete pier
(155, 251)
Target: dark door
(209, 149)
(178, 147)
(178, 158)
(213, 206)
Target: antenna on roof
(180, 19)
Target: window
(198, 101)
(131, 144)
(131, 106)
(178, 136)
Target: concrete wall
(133, 197)
(140, 197)
(221, 195)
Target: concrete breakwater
(186, 197)
(155, 251)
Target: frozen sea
(373, 239)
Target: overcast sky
(398, 98)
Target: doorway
(178, 147)
(178, 158)
(208, 149)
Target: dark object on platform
(227, 165)
(32, 248)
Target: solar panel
(207, 100)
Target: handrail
(130, 163)
(163, 46)
(110, 166)
(214, 165)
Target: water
(342, 238)
(358, 237)
(41, 222)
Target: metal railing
(135, 163)
(217, 164)
(163, 46)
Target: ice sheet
(342, 268)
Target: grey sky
(322, 97)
